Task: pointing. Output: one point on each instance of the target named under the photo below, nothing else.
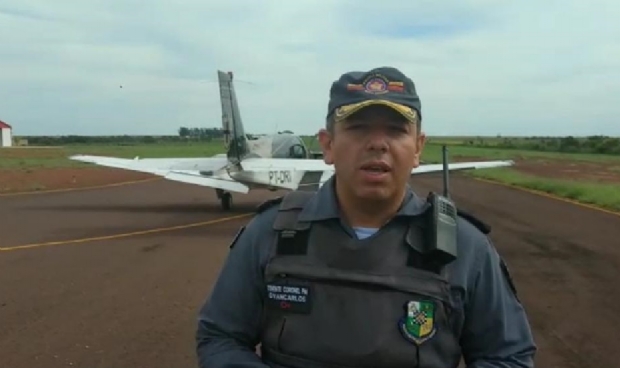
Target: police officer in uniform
(340, 277)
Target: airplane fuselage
(277, 146)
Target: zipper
(427, 276)
(281, 333)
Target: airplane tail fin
(234, 134)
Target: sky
(481, 67)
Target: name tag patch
(289, 297)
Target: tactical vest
(335, 301)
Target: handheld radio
(442, 232)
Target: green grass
(598, 194)
(22, 158)
(150, 150)
(432, 153)
(610, 146)
(57, 156)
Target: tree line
(597, 144)
(201, 133)
(184, 134)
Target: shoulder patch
(268, 203)
(236, 238)
(484, 228)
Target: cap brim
(345, 111)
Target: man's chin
(374, 194)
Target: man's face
(373, 152)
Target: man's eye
(398, 128)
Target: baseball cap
(386, 86)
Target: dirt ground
(580, 171)
(29, 180)
(30, 168)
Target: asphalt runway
(117, 302)
(75, 293)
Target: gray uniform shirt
(495, 332)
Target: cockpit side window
(298, 151)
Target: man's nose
(377, 140)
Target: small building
(6, 134)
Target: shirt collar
(324, 204)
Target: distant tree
(184, 132)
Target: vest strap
(292, 238)
(417, 233)
(268, 204)
(479, 224)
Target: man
(339, 278)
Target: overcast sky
(481, 67)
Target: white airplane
(272, 162)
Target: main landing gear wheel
(226, 200)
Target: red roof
(4, 125)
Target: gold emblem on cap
(347, 110)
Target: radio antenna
(446, 187)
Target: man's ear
(325, 140)
(420, 142)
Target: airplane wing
(268, 164)
(457, 166)
(185, 170)
(285, 173)
(157, 166)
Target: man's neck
(368, 214)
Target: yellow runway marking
(547, 195)
(123, 235)
(81, 188)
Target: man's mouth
(376, 167)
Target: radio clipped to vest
(441, 234)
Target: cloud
(481, 66)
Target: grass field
(588, 178)
(57, 156)
(604, 195)
(583, 183)
(51, 157)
